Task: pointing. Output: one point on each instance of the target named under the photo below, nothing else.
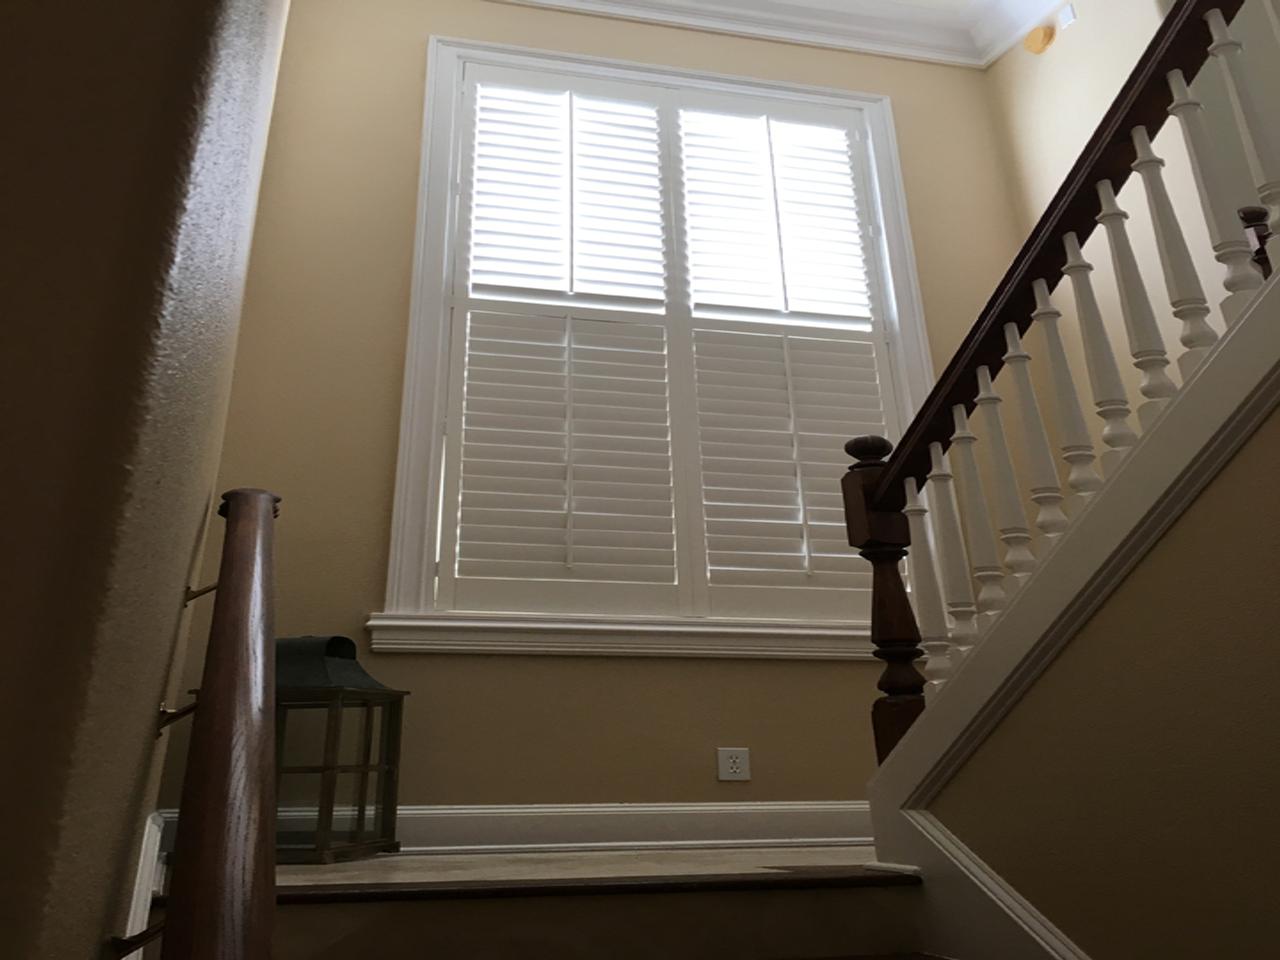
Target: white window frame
(410, 621)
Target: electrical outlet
(733, 763)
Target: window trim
(409, 591)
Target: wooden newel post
(880, 532)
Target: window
(664, 304)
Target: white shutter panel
(818, 219)
(618, 227)
(566, 196)
(520, 190)
(775, 405)
(731, 223)
(771, 216)
(565, 460)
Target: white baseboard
(146, 881)
(529, 828)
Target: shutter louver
(775, 406)
(566, 451)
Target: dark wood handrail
(1181, 43)
(222, 898)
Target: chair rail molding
(971, 34)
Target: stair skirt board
(532, 828)
(779, 878)
(761, 924)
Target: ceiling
(967, 32)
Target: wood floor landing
(469, 876)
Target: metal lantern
(337, 754)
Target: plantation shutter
(771, 216)
(774, 407)
(566, 195)
(663, 333)
(565, 462)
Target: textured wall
(128, 214)
(321, 360)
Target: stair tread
(780, 878)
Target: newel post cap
(868, 451)
(248, 493)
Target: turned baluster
(1011, 518)
(881, 533)
(1257, 124)
(1104, 374)
(983, 554)
(925, 591)
(1046, 493)
(953, 558)
(1256, 222)
(1186, 295)
(1077, 447)
(1146, 345)
(1230, 247)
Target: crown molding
(974, 36)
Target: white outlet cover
(733, 763)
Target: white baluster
(982, 542)
(925, 593)
(1104, 376)
(1011, 518)
(1145, 342)
(1186, 295)
(938, 666)
(1225, 230)
(1258, 127)
(1273, 14)
(1077, 447)
(953, 558)
(1046, 493)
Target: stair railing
(985, 544)
(222, 897)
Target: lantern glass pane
(304, 729)
(351, 738)
(299, 793)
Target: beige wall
(1130, 795)
(316, 399)
(136, 135)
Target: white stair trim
(1218, 408)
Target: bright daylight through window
(664, 314)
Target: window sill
(541, 635)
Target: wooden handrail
(222, 898)
(1181, 43)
